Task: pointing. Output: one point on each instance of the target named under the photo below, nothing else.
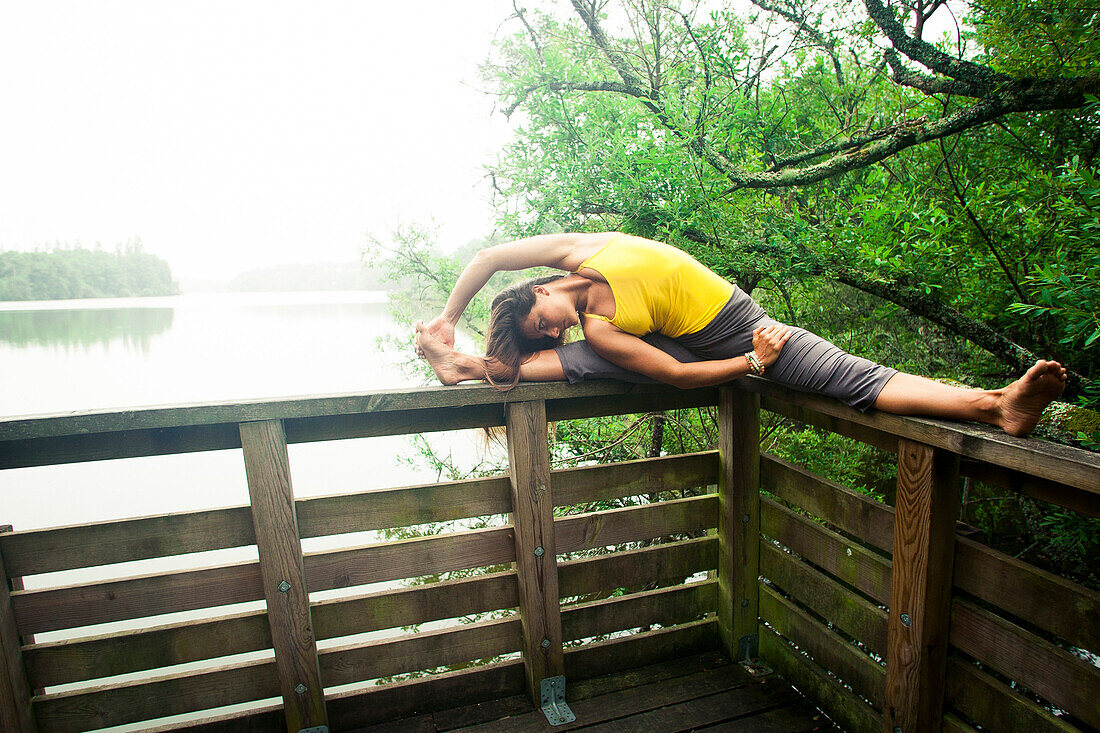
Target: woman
(651, 312)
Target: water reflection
(132, 327)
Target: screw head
(745, 519)
(539, 551)
(897, 729)
(545, 643)
(301, 689)
(905, 620)
(744, 603)
(284, 587)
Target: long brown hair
(506, 348)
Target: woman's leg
(452, 367)
(1015, 408)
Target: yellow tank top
(658, 287)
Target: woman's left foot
(1023, 401)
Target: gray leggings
(806, 362)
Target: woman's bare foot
(450, 366)
(1022, 402)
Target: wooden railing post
(920, 587)
(738, 521)
(15, 693)
(536, 553)
(267, 466)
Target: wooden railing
(763, 579)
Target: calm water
(101, 354)
(64, 356)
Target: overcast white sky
(231, 135)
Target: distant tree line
(84, 273)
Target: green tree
(801, 149)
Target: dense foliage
(778, 148)
(931, 203)
(84, 273)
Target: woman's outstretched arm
(631, 352)
(560, 251)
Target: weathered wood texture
(103, 543)
(1056, 463)
(664, 606)
(103, 435)
(1055, 604)
(843, 706)
(631, 478)
(1067, 681)
(267, 467)
(536, 546)
(15, 692)
(993, 704)
(630, 524)
(645, 567)
(920, 592)
(738, 521)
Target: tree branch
(925, 53)
(817, 37)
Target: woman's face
(552, 313)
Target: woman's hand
(767, 342)
(442, 330)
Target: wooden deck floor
(702, 692)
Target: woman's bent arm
(561, 251)
(631, 352)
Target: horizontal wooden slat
(664, 606)
(1087, 503)
(419, 604)
(1064, 608)
(843, 706)
(402, 507)
(616, 526)
(1061, 607)
(119, 704)
(639, 398)
(857, 514)
(139, 597)
(58, 663)
(66, 548)
(863, 569)
(302, 407)
(426, 650)
(615, 655)
(359, 707)
(1060, 464)
(103, 543)
(83, 605)
(850, 613)
(637, 568)
(994, 705)
(630, 478)
(1052, 673)
(829, 650)
(409, 558)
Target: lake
(63, 356)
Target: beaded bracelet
(756, 366)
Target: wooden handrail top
(1066, 465)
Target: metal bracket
(315, 729)
(554, 707)
(748, 648)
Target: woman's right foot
(1022, 402)
(448, 364)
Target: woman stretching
(651, 312)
